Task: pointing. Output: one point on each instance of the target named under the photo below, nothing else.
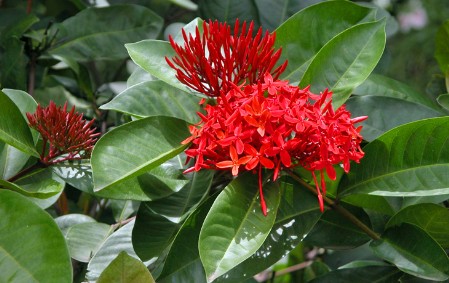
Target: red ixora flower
(68, 135)
(219, 57)
(257, 121)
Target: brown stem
(340, 209)
(29, 6)
(32, 73)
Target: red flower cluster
(69, 136)
(264, 123)
(208, 63)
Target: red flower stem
(340, 209)
(27, 170)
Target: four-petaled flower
(68, 135)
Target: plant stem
(340, 209)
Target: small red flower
(68, 135)
(213, 61)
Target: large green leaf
(442, 47)
(306, 32)
(176, 205)
(153, 98)
(12, 159)
(118, 241)
(432, 218)
(91, 35)
(152, 233)
(340, 68)
(345, 235)
(410, 160)
(14, 129)
(413, 251)
(235, 227)
(297, 214)
(380, 109)
(150, 56)
(157, 183)
(228, 10)
(84, 239)
(378, 85)
(135, 148)
(183, 261)
(126, 269)
(32, 249)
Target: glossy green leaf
(123, 209)
(377, 122)
(118, 241)
(375, 203)
(379, 85)
(28, 233)
(413, 251)
(84, 239)
(126, 269)
(297, 214)
(14, 129)
(228, 11)
(159, 182)
(235, 227)
(345, 235)
(183, 261)
(150, 56)
(187, 4)
(77, 174)
(135, 148)
(366, 274)
(442, 47)
(12, 159)
(40, 184)
(152, 233)
(432, 218)
(274, 13)
(313, 23)
(341, 69)
(176, 205)
(153, 98)
(64, 222)
(91, 35)
(410, 160)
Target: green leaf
(118, 241)
(66, 221)
(442, 47)
(84, 239)
(341, 69)
(78, 175)
(126, 269)
(157, 183)
(14, 129)
(91, 35)
(410, 160)
(443, 101)
(432, 218)
(176, 205)
(183, 261)
(187, 4)
(150, 55)
(375, 203)
(235, 227)
(313, 24)
(228, 11)
(378, 85)
(134, 148)
(345, 235)
(27, 233)
(152, 232)
(154, 98)
(377, 124)
(297, 214)
(366, 274)
(12, 159)
(14, 64)
(413, 251)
